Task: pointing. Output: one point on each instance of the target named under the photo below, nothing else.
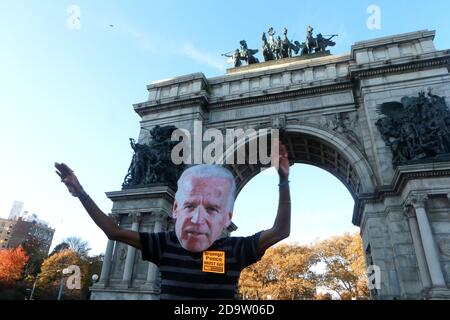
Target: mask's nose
(199, 216)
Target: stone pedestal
(438, 294)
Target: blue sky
(66, 95)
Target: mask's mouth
(195, 233)
(191, 232)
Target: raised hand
(283, 162)
(68, 178)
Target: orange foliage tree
(12, 264)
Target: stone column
(418, 247)
(431, 254)
(129, 262)
(106, 266)
(152, 268)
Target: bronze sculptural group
(243, 54)
(416, 128)
(151, 163)
(275, 49)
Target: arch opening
(321, 205)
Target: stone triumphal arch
(377, 118)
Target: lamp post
(61, 285)
(94, 280)
(34, 287)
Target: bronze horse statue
(310, 42)
(266, 49)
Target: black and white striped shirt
(181, 270)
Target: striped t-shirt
(181, 270)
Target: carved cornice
(394, 190)
(389, 67)
(393, 39)
(268, 97)
(188, 78)
(153, 192)
(206, 101)
(166, 104)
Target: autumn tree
(90, 265)
(303, 272)
(284, 273)
(12, 264)
(71, 251)
(345, 267)
(49, 279)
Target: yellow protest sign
(214, 261)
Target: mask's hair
(207, 171)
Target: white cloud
(212, 60)
(141, 37)
(152, 44)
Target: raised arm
(109, 227)
(282, 225)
